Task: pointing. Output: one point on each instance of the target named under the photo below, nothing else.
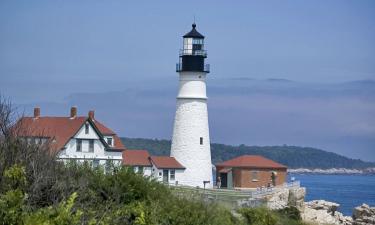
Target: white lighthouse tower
(191, 139)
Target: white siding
(178, 175)
(99, 153)
(147, 170)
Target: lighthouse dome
(193, 33)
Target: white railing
(231, 196)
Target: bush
(258, 216)
(291, 212)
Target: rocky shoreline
(324, 212)
(367, 171)
(319, 211)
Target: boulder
(364, 215)
(297, 197)
(324, 212)
(330, 207)
(278, 200)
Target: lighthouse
(191, 138)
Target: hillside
(292, 156)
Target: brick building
(250, 171)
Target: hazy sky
(118, 57)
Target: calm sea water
(347, 190)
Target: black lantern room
(193, 54)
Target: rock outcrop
(297, 197)
(286, 197)
(324, 212)
(364, 215)
(318, 212)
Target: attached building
(73, 137)
(165, 169)
(139, 160)
(250, 171)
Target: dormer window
(110, 141)
(86, 128)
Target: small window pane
(254, 175)
(172, 174)
(86, 128)
(79, 145)
(91, 145)
(95, 163)
(109, 141)
(201, 140)
(108, 165)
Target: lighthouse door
(165, 176)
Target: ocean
(347, 190)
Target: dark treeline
(292, 156)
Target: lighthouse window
(197, 41)
(188, 42)
(201, 140)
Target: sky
(282, 72)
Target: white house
(74, 137)
(165, 169)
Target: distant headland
(298, 159)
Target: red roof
(252, 161)
(61, 129)
(136, 158)
(166, 162)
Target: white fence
(232, 197)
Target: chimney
(91, 115)
(73, 112)
(36, 112)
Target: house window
(109, 141)
(79, 145)
(108, 166)
(95, 163)
(160, 174)
(140, 169)
(201, 140)
(86, 128)
(172, 174)
(254, 175)
(91, 145)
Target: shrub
(258, 216)
(291, 212)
